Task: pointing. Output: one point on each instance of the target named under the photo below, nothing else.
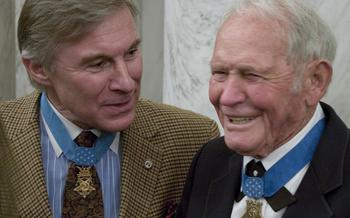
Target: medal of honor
(253, 209)
(84, 185)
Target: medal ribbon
(82, 156)
(283, 170)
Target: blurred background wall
(7, 50)
(177, 42)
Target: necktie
(83, 194)
(279, 200)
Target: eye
(131, 53)
(253, 76)
(97, 65)
(219, 76)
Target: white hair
(308, 36)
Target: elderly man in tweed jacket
(84, 57)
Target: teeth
(241, 120)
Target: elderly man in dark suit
(84, 145)
(284, 153)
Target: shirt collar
(74, 131)
(277, 154)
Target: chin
(118, 125)
(233, 145)
(241, 148)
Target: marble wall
(23, 85)
(190, 27)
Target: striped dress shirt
(56, 169)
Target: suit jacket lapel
(141, 161)
(310, 201)
(27, 177)
(222, 191)
(325, 173)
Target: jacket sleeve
(182, 209)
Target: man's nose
(121, 79)
(233, 91)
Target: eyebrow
(136, 43)
(218, 67)
(102, 56)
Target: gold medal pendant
(253, 209)
(84, 185)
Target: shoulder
(168, 117)
(18, 113)
(20, 105)
(159, 110)
(217, 152)
(214, 167)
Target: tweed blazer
(156, 153)
(7, 202)
(214, 179)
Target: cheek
(214, 97)
(278, 111)
(135, 69)
(214, 93)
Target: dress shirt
(239, 208)
(56, 167)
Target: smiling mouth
(118, 103)
(119, 106)
(241, 120)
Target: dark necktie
(280, 199)
(83, 194)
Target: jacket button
(148, 164)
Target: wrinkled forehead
(250, 23)
(252, 30)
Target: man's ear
(36, 72)
(318, 76)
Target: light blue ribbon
(285, 169)
(80, 155)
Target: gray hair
(44, 24)
(308, 36)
